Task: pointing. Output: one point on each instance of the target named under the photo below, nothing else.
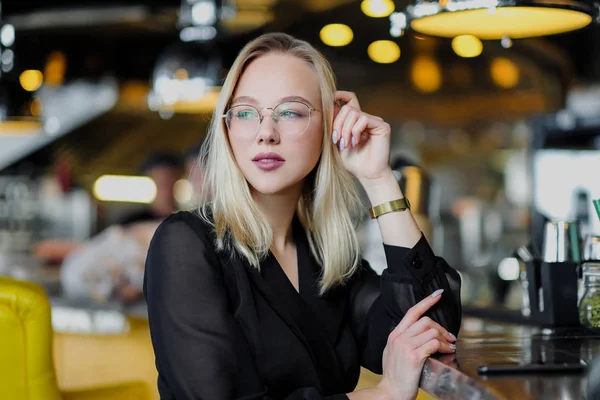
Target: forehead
(272, 77)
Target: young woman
(262, 293)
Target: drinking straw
(597, 207)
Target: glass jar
(589, 305)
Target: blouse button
(417, 263)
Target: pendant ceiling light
(496, 19)
(187, 74)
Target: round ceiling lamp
(384, 51)
(504, 72)
(336, 35)
(426, 74)
(377, 8)
(467, 46)
(497, 19)
(31, 79)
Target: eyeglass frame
(262, 117)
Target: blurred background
(103, 106)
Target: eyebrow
(253, 101)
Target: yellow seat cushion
(26, 368)
(26, 360)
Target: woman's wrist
(386, 390)
(378, 179)
(382, 188)
(373, 393)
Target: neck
(279, 209)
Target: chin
(268, 188)
(271, 185)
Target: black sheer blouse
(223, 330)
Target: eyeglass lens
(291, 118)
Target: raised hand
(363, 139)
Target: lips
(268, 157)
(268, 161)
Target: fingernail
(452, 346)
(353, 141)
(437, 292)
(452, 336)
(342, 144)
(335, 137)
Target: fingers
(350, 124)
(416, 312)
(432, 335)
(426, 323)
(338, 124)
(434, 346)
(358, 129)
(351, 119)
(348, 98)
(343, 126)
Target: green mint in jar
(589, 311)
(589, 305)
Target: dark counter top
(486, 342)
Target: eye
(244, 113)
(292, 110)
(289, 114)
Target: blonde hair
(329, 207)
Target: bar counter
(486, 342)
(115, 353)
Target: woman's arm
(413, 273)
(364, 143)
(400, 232)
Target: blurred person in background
(109, 267)
(262, 291)
(164, 168)
(67, 211)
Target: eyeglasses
(290, 118)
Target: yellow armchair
(26, 362)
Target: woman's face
(276, 156)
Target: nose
(267, 131)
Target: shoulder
(183, 232)
(184, 224)
(183, 250)
(182, 263)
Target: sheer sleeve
(200, 350)
(378, 303)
